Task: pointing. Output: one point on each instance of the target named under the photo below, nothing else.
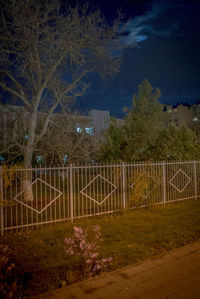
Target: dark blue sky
(162, 45)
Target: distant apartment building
(100, 120)
(179, 115)
(12, 122)
(183, 115)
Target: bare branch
(18, 95)
(45, 126)
(18, 85)
(58, 100)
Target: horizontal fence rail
(38, 196)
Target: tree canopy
(175, 143)
(145, 133)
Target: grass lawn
(129, 237)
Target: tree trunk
(28, 156)
(27, 176)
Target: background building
(180, 115)
(14, 119)
(100, 120)
(184, 115)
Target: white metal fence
(31, 197)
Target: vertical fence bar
(71, 194)
(1, 199)
(124, 186)
(195, 178)
(164, 182)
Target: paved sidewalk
(175, 275)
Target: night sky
(162, 45)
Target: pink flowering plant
(84, 245)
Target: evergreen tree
(113, 148)
(143, 122)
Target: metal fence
(32, 197)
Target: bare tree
(63, 143)
(47, 52)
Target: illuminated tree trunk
(28, 156)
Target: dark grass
(129, 237)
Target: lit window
(195, 118)
(39, 159)
(89, 131)
(79, 130)
(1, 159)
(65, 159)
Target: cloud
(140, 38)
(154, 21)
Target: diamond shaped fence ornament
(148, 184)
(98, 189)
(43, 195)
(180, 180)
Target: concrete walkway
(175, 275)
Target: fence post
(164, 182)
(124, 185)
(1, 201)
(71, 194)
(195, 178)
